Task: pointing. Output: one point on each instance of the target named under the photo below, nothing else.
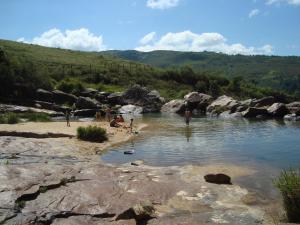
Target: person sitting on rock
(114, 122)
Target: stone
(291, 117)
(115, 98)
(89, 92)
(61, 97)
(278, 110)
(294, 107)
(192, 97)
(51, 106)
(44, 95)
(87, 103)
(87, 112)
(266, 101)
(137, 163)
(198, 101)
(174, 106)
(253, 112)
(219, 178)
(221, 104)
(131, 109)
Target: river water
(264, 145)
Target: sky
(248, 27)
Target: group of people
(116, 121)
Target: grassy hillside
(25, 67)
(268, 71)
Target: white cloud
(291, 2)
(80, 39)
(162, 4)
(148, 38)
(253, 13)
(215, 42)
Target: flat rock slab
(69, 189)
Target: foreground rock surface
(44, 182)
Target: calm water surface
(168, 141)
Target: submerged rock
(219, 178)
(292, 117)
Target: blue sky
(229, 26)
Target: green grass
(92, 133)
(288, 183)
(13, 118)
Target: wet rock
(115, 98)
(219, 178)
(174, 106)
(61, 97)
(87, 103)
(131, 109)
(294, 107)
(266, 101)
(137, 163)
(44, 95)
(229, 115)
(253, 112)
(278, 110)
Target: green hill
(26, 67)
(268, 71)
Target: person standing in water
(131, 125)
(187, 116)
(68, 117)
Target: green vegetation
(289, 185)
(9, 118)
(26, 67)
(13, 118)
(276, 72)
(92, 133)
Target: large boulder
(141, 96)
(131, 109)
(198, 101)
(253, 112)
(278, 110)
(221, 104)
(44, 95)
(87, 112)
(174, 106)
(266, 101)
(61, 97)
(101, 96)
(294, 107)
(87, 103)
(89, 92)
(115, 98)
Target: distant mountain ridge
(280, 72)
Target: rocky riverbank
(46, 181)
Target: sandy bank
(116, 136)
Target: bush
(288, 183)
(10, 118)
(35, 117)
(92, 133)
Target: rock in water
(278, 110)
(174, 106)
(266, 101)
(219, 178)
(253, 112)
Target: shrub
(36, 117)
(12, 118)
(288, 183)
(92, 133)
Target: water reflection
(188, 133)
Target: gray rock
(294, 107)
(87, 112)
(174, 106)
(51, 106)
(115, 98)
(61, 97)
(221, 104)
(89, 92)
(291, 117)
(253, 112)
(87, 103)
(44, 95)
(266, 101)
(278, 110)
(131, 109)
